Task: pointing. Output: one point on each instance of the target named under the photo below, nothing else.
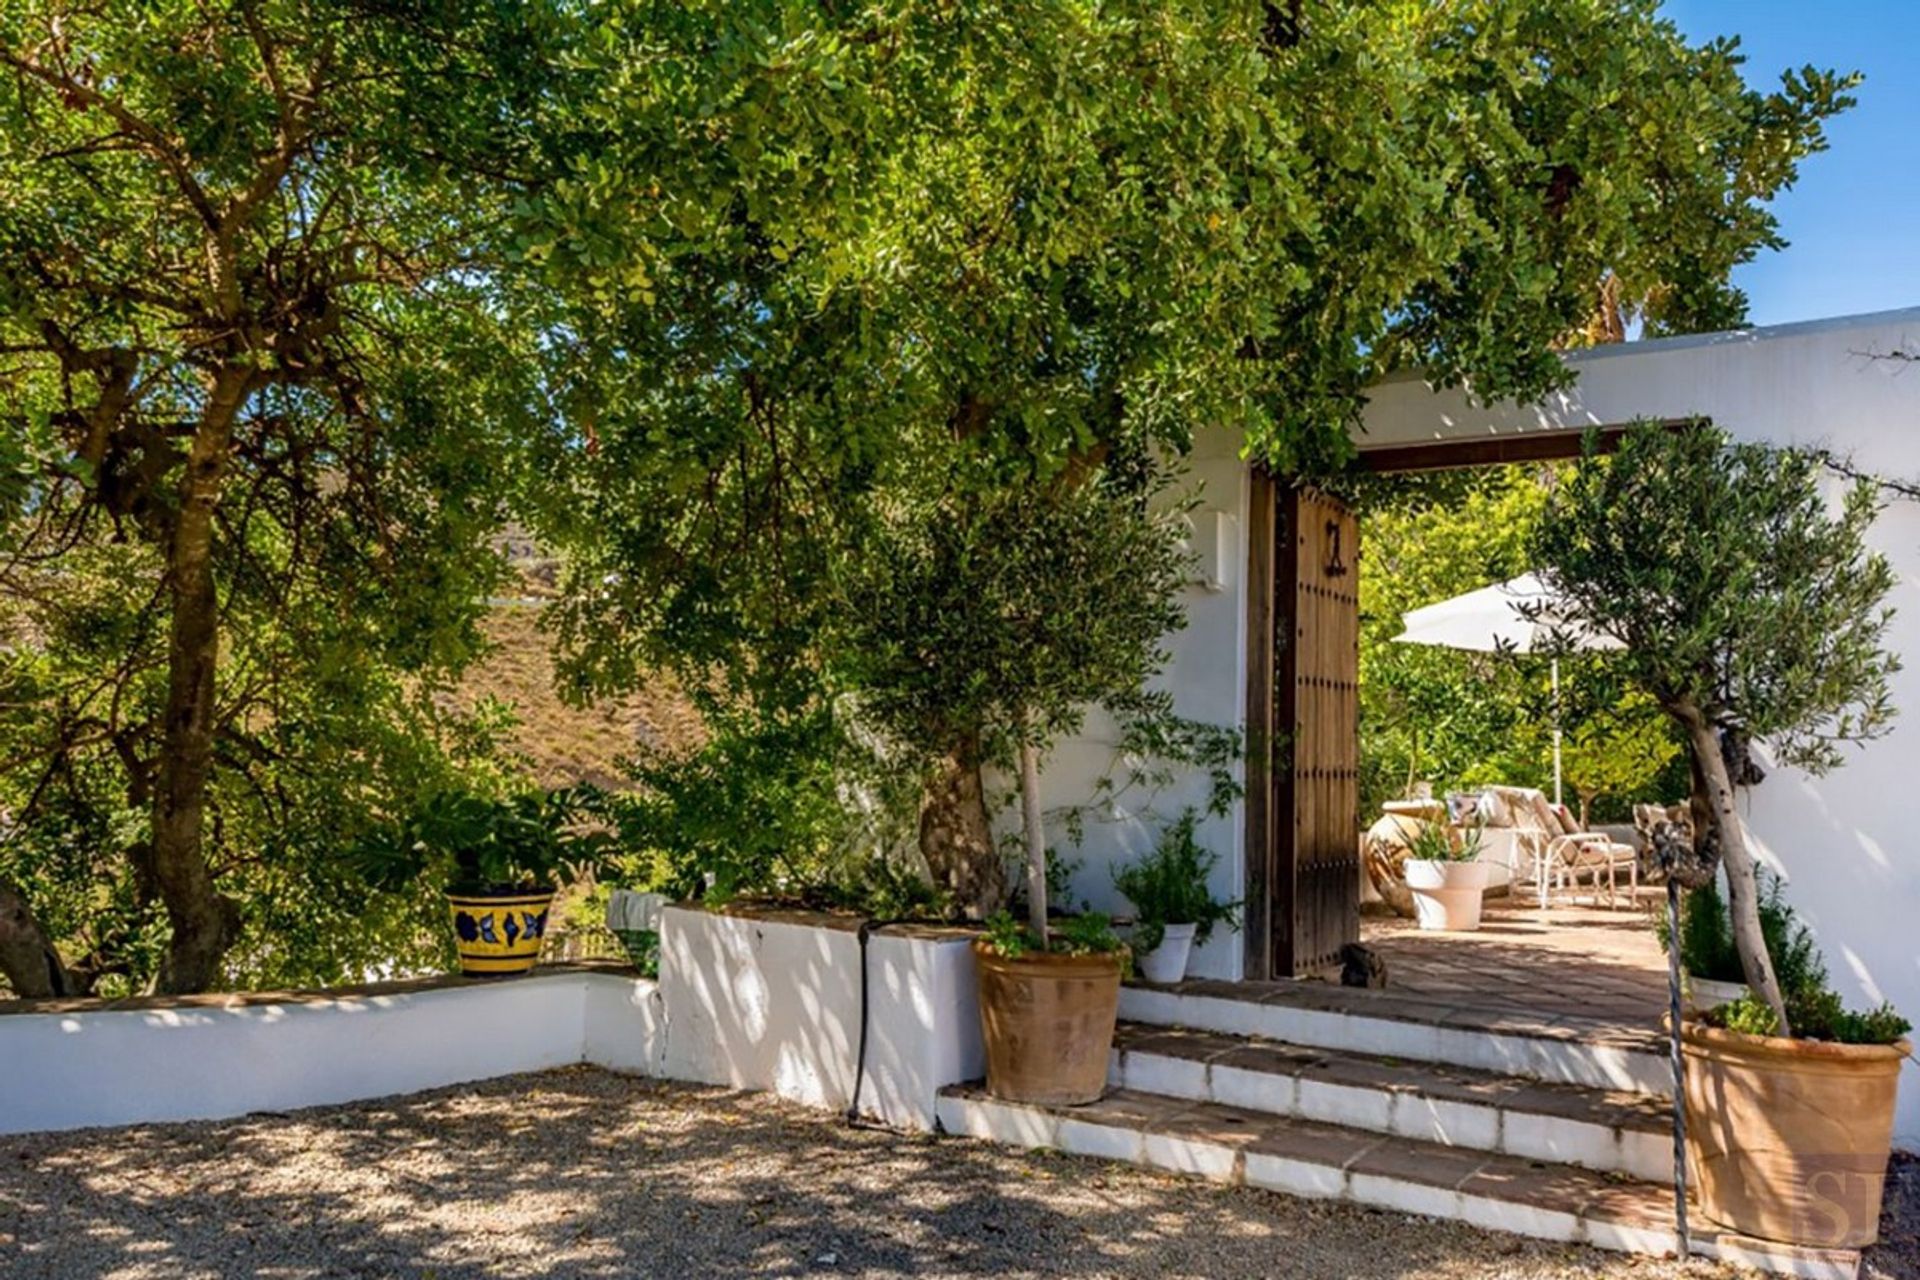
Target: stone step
(1306, 1158)
(1596, 1053)
(1611, 1131)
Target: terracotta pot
(1048, 1024)
(1446, 895)
(1789, 1138)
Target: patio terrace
(1571, 959)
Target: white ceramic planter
(1710, 993)
(1168, 961)
(1446, 895)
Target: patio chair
(1549, 850)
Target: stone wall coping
(317, 995)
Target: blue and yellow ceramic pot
(498, 932)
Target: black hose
(867, 929)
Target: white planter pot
(1168, 961)
(1710, 993)
(1446, 895)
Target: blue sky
(1854, 218)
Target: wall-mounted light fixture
(1213, 541)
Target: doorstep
(1598, 1053)
(1305, 1158)
(1610, 1131)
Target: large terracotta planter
(1447, 895)
(498, 933)
(1789, 1138)
(1048, 1024)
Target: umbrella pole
(1557, 798)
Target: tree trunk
(205, 923)
(1036, 840)
(955, 836)
(1743, 887)
(28, 960)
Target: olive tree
(1749, 606)
(993, 617)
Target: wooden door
(1303, 744)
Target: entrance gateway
(1303, 701)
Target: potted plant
(1709, 961)
(1173, 909)
(1750, 607)
(1048, 1006)
(500, 858)
(986, 619)
(1789, 1136)
(1445, 877)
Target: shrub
(1706, 937)
(1169, 886)
(1088, 934)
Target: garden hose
(867, 929)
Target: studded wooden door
(1303, 731)
(1318, 695)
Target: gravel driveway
(582, 1173)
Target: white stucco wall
(762, 1003)
(1846, 842)
(1206, 671)
(198, 1062)
(750, 1002)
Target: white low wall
(199, 1061)
(754, 1002)
(766, 1002)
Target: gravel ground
(581, 1173)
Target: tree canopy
(270, 422)
(299, 299)
(806, 257)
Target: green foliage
(467, 842)
(1428, 712)
(1087, 934)
(1625, 752)
(1815, 1015)
(1813, 1008)
(1439, 842)
(1732, 584)
(771, 804)
(1706, 937)
(812, 263)
(643, 949)
(991, 615)
(263, 237)
(1169, 886)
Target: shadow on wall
(765, 1003)
(1848, 843)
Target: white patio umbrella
(1517, 616)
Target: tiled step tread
(1598, 1208)
(1610, 1108)
(1325, 997)
(1563, 1188)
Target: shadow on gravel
(581, 1173)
